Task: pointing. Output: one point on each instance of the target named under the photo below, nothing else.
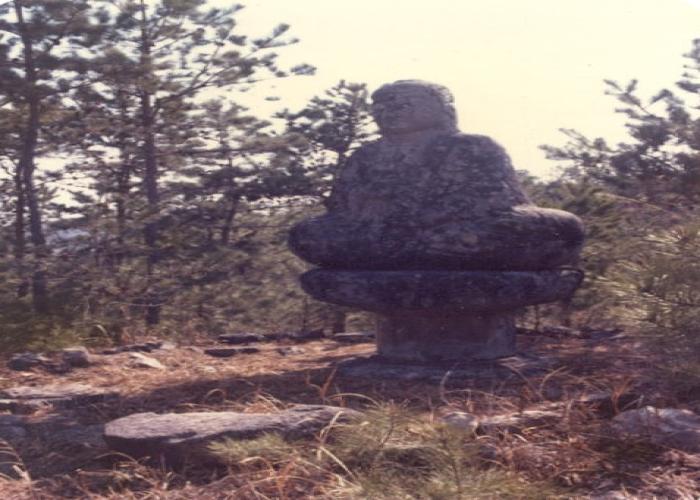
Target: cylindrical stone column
(428, 337)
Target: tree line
(138, 193)
(131, 176)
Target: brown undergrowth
(399, 450)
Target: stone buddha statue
(429, 228)
(426, 196)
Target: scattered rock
(26, 361)
(139, 360)
(512, 422)
(461, 420)
(241, 338)
(78, 357)
(289, 350)
(148, 346)
(25, 399)
(177, 436)
(663, 426)
(354, 337)
(227, 352)
(607, 404)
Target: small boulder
(26, 361)
(662, 426)
(139, 360)
(461, 420)
(227, 352)
(78, 357)
(180, 436)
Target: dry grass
(399, 451)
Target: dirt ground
(576, 452)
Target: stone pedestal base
(433, 316)
(422, 337)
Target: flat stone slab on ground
(227, 352)
(57, 395)
(663, 426)
(378, 368)
(26, 361)
(139, 360)
(177, 436)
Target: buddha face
(404, 110)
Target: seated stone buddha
(425, 196)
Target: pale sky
(519, 69)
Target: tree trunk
(228, 220)
(30, 137)
(150, 177)
(20, 236)
(123, 186)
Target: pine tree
(158, 59)
(42, 58)
(334, 125)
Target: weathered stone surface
(26, 361)
(463, 291)
(379, 368)
(425, 196)
(663, 426)
(24, 399)
(429, 219)
(138, 360)
(227, 352)
(178, 436)
(431, 336)
(78, 357)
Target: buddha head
(413, 105)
